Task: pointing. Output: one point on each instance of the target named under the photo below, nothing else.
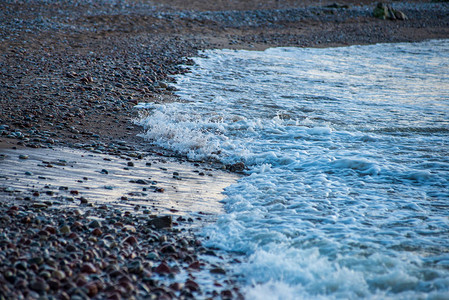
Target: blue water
(347, 150)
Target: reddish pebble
(130, 240)
(195, 265)
(163, 268)
(92, 289)
(97, 232)
(74, 192)
(50, 229)
(176, 286)
(73, 235)
(88, 268)
(192, 285)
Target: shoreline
(70, 75)
(153, 184)
(81, 224)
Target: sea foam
(347, 156)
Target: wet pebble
(163, 268)
(161, 222)
(132, 240)
(218, 271)
(39, 285)
(88, 268)
(192, 285)
(64, 229)
(95, 224)
(135, 267)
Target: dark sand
(70, 74)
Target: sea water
(347, 155)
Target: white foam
(319, 131)
(347, 187)
(173, 128)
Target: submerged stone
(161, 222)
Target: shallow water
(347, 193)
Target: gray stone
(161, 222)
(95, 224)
(135, 267)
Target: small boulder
(386, 12)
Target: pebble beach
(90, 210)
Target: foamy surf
(347, 148)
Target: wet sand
(153, 185)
